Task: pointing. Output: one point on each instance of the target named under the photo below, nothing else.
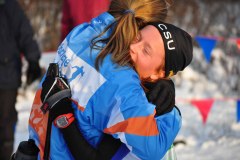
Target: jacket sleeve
(135, 124)
(23, 32)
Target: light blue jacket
(111, 101)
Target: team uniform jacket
(110, 101)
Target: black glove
(161, 94)
(26, 150)
(63, 106)
(33, 72)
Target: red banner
(204, 107)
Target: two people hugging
(123, 106)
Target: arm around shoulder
(145, 135)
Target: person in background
(16, 38)
(75, 12)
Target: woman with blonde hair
(104, 63)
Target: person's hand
(33, 72)
(162, 94)
(50, 88)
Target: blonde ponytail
(130, 16)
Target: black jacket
(16, 38)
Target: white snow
(218, 139)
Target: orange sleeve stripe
(142, 126)
(38, 121)
(37, 98)
(41, 152)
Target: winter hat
(178, 47)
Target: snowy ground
(218, 139)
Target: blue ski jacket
(110, 100)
